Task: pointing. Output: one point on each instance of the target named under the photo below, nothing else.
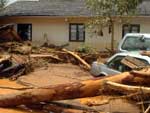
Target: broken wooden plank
(78, 58)
(133, 63)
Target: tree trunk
(88, 88)
(126, 89)
(145, 73)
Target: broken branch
(78, 58)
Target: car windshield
(133, 43)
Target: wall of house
(56, 31)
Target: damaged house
(62, 22)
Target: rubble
(133, 63)
(7, 33)
(87, 88)
(20, 58)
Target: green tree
(3, 3)
(106, 11)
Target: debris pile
(14, 66)
(25, 59)
(55, 55)
(120, 85)
(20, 58)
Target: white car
(114, 66)
(134, 42)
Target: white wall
(57, 31)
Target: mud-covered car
(114, 66)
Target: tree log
(79, 58)
(64, 107)
(143, 73)
(88, 88)
(126, 89)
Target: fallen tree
(145, 73)
(126, 88)
(88, 88)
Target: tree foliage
(104, 12)
(113, 7)
(3, 3)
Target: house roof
(57, 8)
(47, 8)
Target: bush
(85, 49)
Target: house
(63, 21)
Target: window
(25, 31)
(132, 28)
(77, 32)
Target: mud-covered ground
(59, 74)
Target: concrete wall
(56, 30)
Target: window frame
(30, 24)
(130, 28)
(77, 32)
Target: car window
(117, 65)
(133, 43)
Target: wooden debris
(133, 63)
(126, 89)
(19, 59)
(7, 33)
(79, 58)
(4, 58)
(58, 109)
(147, 110)
(65, 107)
(12, 70)
(45, 56)
(143, 73)
(145, 53)
(18, 74)
(88, 88)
